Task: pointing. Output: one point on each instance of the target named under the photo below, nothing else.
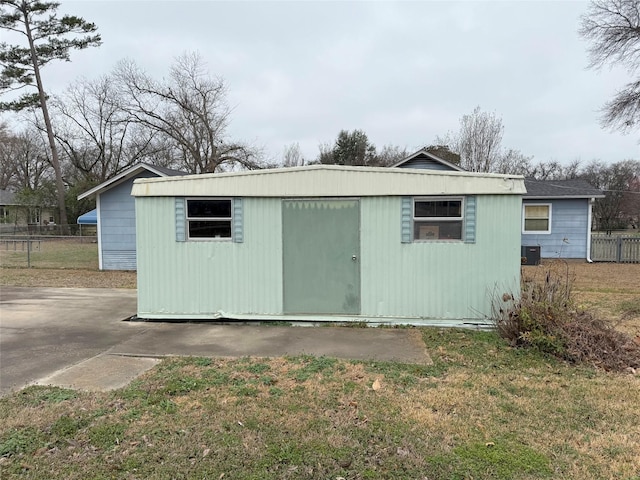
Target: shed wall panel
(438, 279)
(209, 277)
(568, 237)
(423, 280)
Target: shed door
(321, 249)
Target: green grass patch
(108, 435)
(496, 460)
(23, 440)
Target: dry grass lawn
(483, 410)
(610, 290)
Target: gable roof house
(115, 215)
(557, 217)
(17, 217)
(328, 243)
(423, 159)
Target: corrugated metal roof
(331, 181)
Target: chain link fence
(43, 248)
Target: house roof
(127, 174)
(7, 197)
(575, 188)
(330, 181)
(424, 152)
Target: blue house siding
(424, 162)
(118, 226)
(568, 237)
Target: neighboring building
(16, 217)
(116, 220)
(422, 159)
(328, 243)
(556, 216)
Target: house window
(437, 218)
(536, 218)
(34, 216)
(208, 218)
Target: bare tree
(613, 28)
(31, 162)
(617, 180)
(325, 156)
(190, 109)
(390, 155)
(292, 156)
(8, 144)
(444, 152)
(97, 137)
(478, 142)
(514, 162)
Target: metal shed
(328, 243)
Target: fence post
(619, 250)
(28, 253)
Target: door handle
(354, 257)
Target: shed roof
(575, 188)
(330, 181)
(127, 174)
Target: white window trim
(536, 232)
(207, 239)
(437, 219)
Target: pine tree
(47, 38)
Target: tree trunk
(55, 162)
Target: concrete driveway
(78, 338)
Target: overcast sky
(402, 72)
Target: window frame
(457, 219)
(188, 219)
(524, 218)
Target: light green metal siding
(438, 280)
(208, 278)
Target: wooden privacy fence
(615, 249)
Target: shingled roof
(576, 188)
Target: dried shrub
(545, 317)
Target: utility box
(530, 255)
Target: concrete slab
(100, 373)
(43, 330)
(203, 339)
(77, 338)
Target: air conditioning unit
(530, 255)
